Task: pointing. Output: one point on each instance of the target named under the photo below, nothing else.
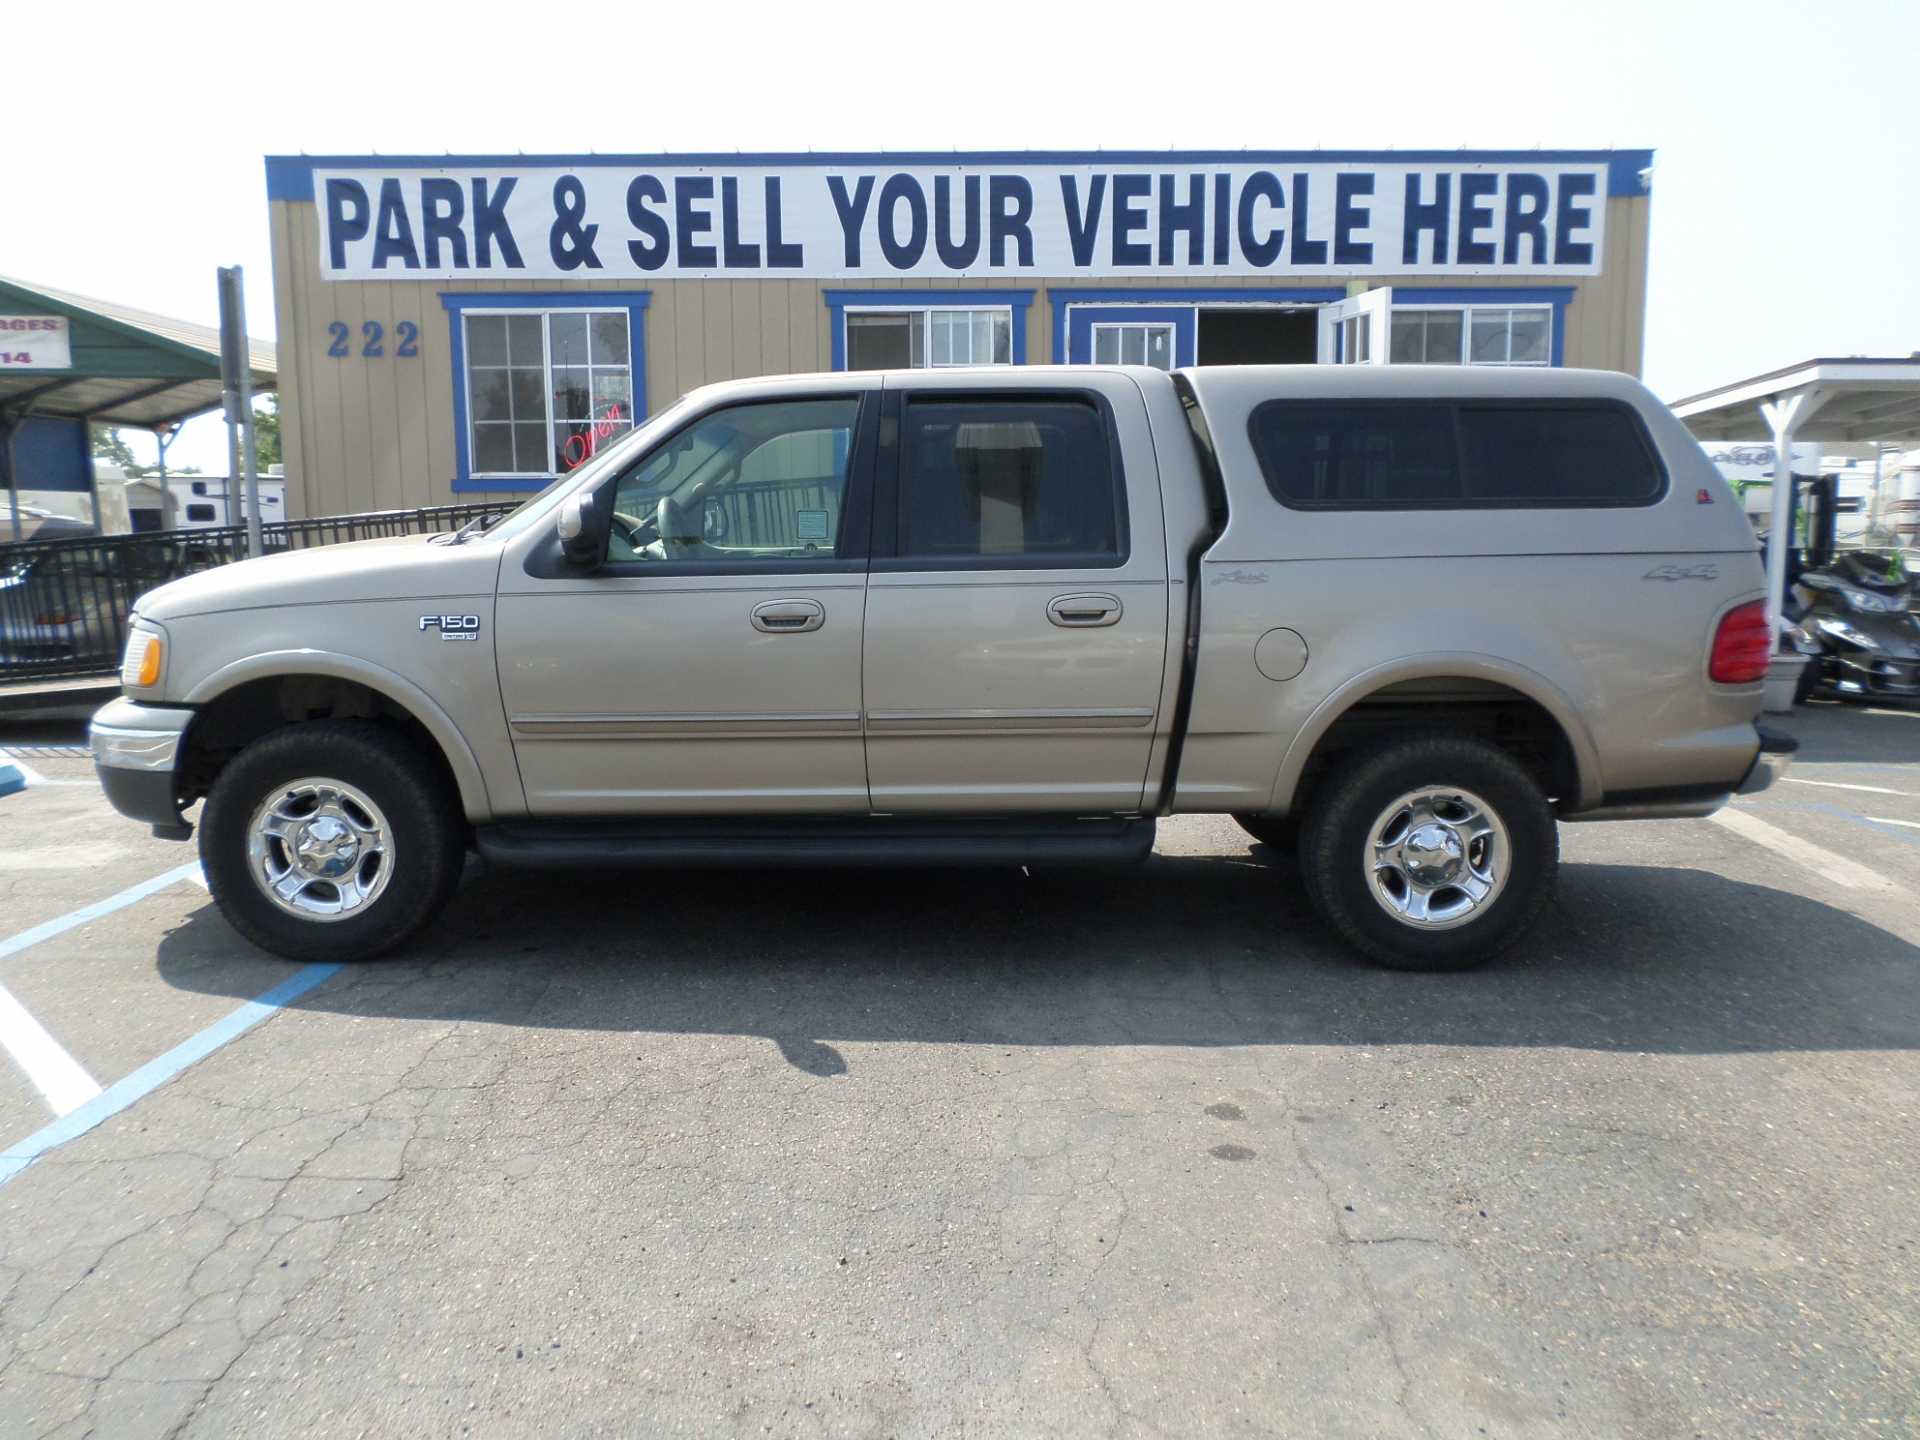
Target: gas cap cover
(1280, 654)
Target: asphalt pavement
(901, 1154)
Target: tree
(266, 432)
(110, 444)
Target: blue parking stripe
(155, 1073)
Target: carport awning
(1856, 399)
(130, 367)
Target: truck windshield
(613, 457)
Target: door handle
(788, 617)
(1084, 611)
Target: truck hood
(405, 567)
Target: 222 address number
(406, 335)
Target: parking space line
(48, 1065)
(27, 772)
(126, 897)
(155, 1073)
(60, 1079)
(1839, 785)
(33, 777)
(1836, 868)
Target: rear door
(1017, 604)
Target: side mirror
(580, 537)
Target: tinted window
(1555, 454)
(1439, 455)
(1339, 455)
(1007, 479)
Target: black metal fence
(64, 603)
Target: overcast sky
(1786, 213)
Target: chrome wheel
(320, 849)
(1437, 857)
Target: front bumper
(136, 751)
(1777, 749)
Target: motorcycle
(1854, 620)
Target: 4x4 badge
(453, 627)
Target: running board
(817, 841)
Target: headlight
(140, 670)
(1849, 634)
(1870, 603)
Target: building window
(1133, 345)
(934, 338)
(545, 390)
(1473, 335)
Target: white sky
(1786, 214)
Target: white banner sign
(34, 342)
(873, 220)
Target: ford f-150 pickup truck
(1400, 619)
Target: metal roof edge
(1726, 393)
(66, 300)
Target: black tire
(423, 839)
(1809, 680)
(1280, 833)
(1336, 846)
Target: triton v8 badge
(453, 627)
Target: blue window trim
(634, 302)
(1557, 296)
(290, 177)
(1082, 318)
(1063, 296)
(837, 302)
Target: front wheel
(331, 840)
(1430, 852)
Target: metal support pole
(1781, 416)
(11, 424)
(236, 374)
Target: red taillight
(1742, 646)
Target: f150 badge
(453, 627)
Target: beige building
(456, 328)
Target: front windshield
(619, 453)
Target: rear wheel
(1430, 852)
(332, 840)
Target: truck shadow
(1188, 951)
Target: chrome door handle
(788, 617)
(1084, 611)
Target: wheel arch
(250, 691)
(1433, 690)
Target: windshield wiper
(479, 524)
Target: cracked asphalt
(1128, 1153)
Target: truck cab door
(1017, 602)
(712, 663)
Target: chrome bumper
(135, 750)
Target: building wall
(362, 433)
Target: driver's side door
(712, 665)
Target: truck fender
(460, 757)
(1530, 683)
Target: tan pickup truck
(1403, 619)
